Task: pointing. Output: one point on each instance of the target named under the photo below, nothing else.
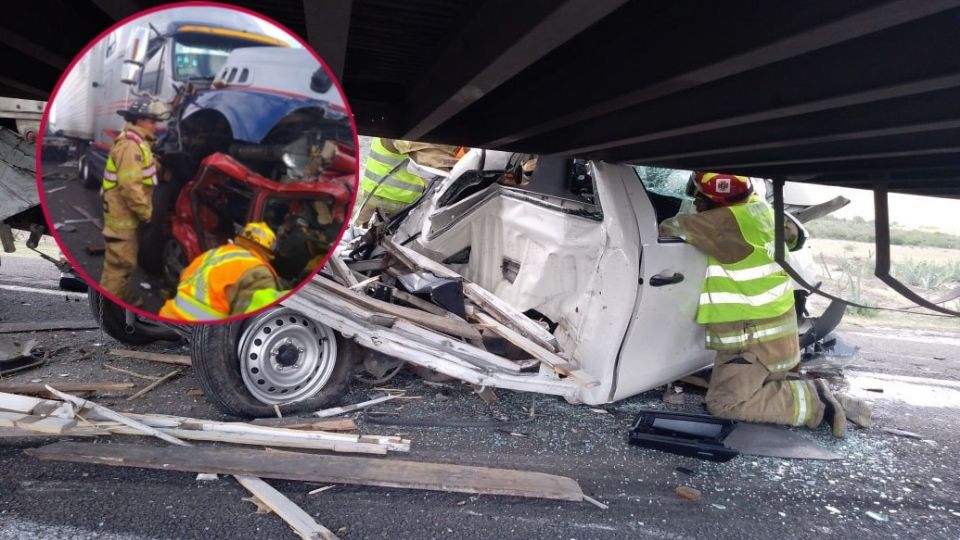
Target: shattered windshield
(669, 182)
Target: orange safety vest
(202, 293)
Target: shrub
(861, 230)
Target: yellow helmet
(260, 234)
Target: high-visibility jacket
(753, 288)
(398, 185)
(147, 172)
(128, 181)
(203, 295)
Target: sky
(908, 211)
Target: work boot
(833, 412)
(856, 410)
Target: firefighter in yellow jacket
(387, 185)
(127, 191)
(747, 307)
(232, 279)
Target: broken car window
(667, 190)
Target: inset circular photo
(206, 163)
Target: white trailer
(152, 55)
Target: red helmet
(720, 188)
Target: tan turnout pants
(749, 375)
(120, 260)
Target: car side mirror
(320, 82)
(134, 55)
(795, 234)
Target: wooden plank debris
(42, 326)
(45, 425)
(331, 424)
(484, 299)
(334, 411)
(322, 469)
(359, 286)
(418, 302)
(39, 362)
(341, 270)
(40, 389)
(177, 359)
(299, 521)
(556, 362)
(21, 404)
(131, 373)
(155, 384)
(250, 434)
(103, 411)
(20, 433)
(448, 325)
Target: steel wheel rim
(269, 344)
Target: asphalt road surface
(909, 487)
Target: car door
(663, 341)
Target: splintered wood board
(8, 328)
(35, 389)
(17, 403)
(177, 359)
(324, 469)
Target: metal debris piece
(877, 517)
(901, 433)
(761, 440)
(595, 502)
(348, 408)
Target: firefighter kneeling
(232, 279)
(747, 307)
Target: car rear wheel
(278, 358)
(113, 320)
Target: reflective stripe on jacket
(202, 294)
(755, 287)
(399, 185)
(146, 173)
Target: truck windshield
(199, 56)
(197, 62)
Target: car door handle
(660, 281)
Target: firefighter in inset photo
(127, 192)
(231, 279)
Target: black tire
(114, 323)
(85, 172)
(215, 362)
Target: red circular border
(43, 126)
